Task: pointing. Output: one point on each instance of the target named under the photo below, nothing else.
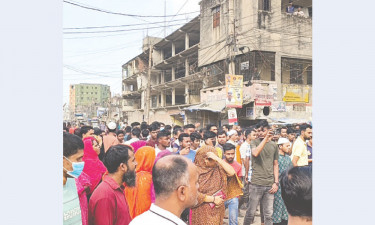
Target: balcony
(289, 24)
(131, 94)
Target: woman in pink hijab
(94, 168)
(138, 144)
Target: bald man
(176, 186)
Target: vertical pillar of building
(173, 49)
(186, 41)
(186, 67)
(157, 79)
(162, 79)
(162, 54)
(173, 73)
(143, 94)
(187, 96)
(173, 96)
(278, 76)
(162, 99)
(157, 101)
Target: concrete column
(186, 41)
(187, 96)
(173, 73)
(173, 96)
(162, 77)
(157, 101)
(162, 99)
(186, 67)
(278, 76)
(173, 49)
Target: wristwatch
(277, 183)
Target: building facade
(174, 78)
(271, 48)
(85, 98)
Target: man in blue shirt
(290, 8)
(184, 148)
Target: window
(296, 73)
(310, 11)
(92, 92)
(96, 93)
(87, 87)
(81, 98)
(264, 5)
(216, 16)
(87, 93)
(309, 75)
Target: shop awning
(214, 106)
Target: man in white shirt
(176, 186)
(136, 133)
(163, 142)
(245, 151)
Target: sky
(97, 57)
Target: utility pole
(165, 13)
(148, 89)
(232, 33)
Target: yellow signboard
(294, 93)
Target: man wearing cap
(280, 214)
(233, 136)
(110, 139)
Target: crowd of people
(159, 174)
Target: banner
(232, 116)
(234, 90)
(295, 93)
(278, 106)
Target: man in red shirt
(232, 204)
(108, 204)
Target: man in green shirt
(72, 168)
(265, 177)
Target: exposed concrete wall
(265, 31)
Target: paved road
(241, 217)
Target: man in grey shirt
(265, 176)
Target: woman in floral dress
(280, 215)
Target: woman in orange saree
(139, 197)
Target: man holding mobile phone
(265, 175)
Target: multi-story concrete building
(272, 49)
(174, 78)
(85, 98)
